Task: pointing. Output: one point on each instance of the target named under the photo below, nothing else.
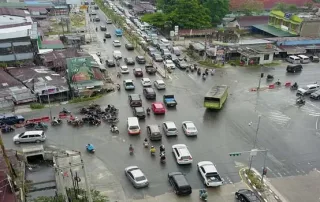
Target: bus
(216, 97)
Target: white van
(30, 136)
(133, 126)
(304, 59)
(293, 59)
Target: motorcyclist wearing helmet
(55, 120)
(152, 150)
(162, 149)
(113, 127)
(148, 110)
(90, 147)
(131, 148)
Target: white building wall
(263, 61)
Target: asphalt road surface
(290, 133)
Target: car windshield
(134, 127)
(169, 62)
(129, 84)
(305, 88)
(21, 134)
(124, 68)
(185, 157)
(141, 178)
(191, 128)
(172, 129)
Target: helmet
(152, 147)
(76, 117)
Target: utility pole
(255, 141)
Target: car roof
(137, 173)
(6, 115)
(208, 166)
(140, 56)
(154, 127)
(249, 194)
(116, 51)
(181, 180)
(139, 109)
(124, 67)
(170, 124)
(138, 69)
(159, 81)
(158, 105)
(33, 132)
(116, 41)
(135, 96)
(146, 79)
(129, 44)
(189, 123)
(312, 85)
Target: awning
(293, 50)
(272, 30)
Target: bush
(36, 106)
(210, 64)
(254, 179)
(84, 99)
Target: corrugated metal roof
(7, 81)
(272, 30)
(13, 12)
(246, 21)
(12, 35)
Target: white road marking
(278, 117)
(280, 175)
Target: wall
(262, 61)
(310, 29)
(302, 42)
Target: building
(18, 35)
(257, 55)
(246, 22)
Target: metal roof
(217, 91)
(7, 81)
(272, 30)
(12, 11)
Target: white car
(116, 43)
(159, 84)
(182, 154)
(128, 84)
(146, 82)
(189, 128)
(169, 128)
(169, 64)
(124, 69)
(209, 173)
(117, 54)
(136, 176)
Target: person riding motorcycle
(90, 147)
(104, 40)
(96, 29)
(113, 128)
(118, 86)
(148, 110)
(204, 75)
(145, 142)
(55, 120)
(152, 150)
(278, 82)
(162, 149)
(295, 85)
(206, 71)
(131, 148)
(118, 74)
(162, 156)
(203, 194)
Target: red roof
(268, 4)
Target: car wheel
(16, 142)
(38, 141)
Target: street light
(255, 140)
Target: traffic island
(253, 179)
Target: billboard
(80, 70)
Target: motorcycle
(94, 122)
(204, 77)
(114, 130)
(104, 40)
(146, 144)
(278, 83)
(56, 122)
(270, 77)
(162, 157)
(148, 112)
(90, 149)
(7, 129)
(75, 122)
(118, 87)
(84, 110)
(300, 101)
(294, 86)
(131, 150)
(30, 125)
(199, 72)
(64, 112)
(206, 72)
(113, 120)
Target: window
(212, 99)
(266, 57)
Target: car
(139, 112)
(103, 28)
(135, 100)
(129, 61)
(157, 57)
(165, 42)
(153, 132)
(246, 195)
(109, 21)
(97, 19)
(181, 64)
(137, 72)
(140, 59)
(176, 51)
(182, 154)
(179, 183)
(128, 84)
(150, 69)
(116, 43)
(155, 43)
(158, 108)
(124, 69)
(117, 54)
(314, 58)
(136, 177)
(159, 84)
(11, 119)
(169, 128)
(294, 68)
(110, 63)
(308, 89)
(209, 173)
(149, 93)
(315, 95)
(146, 82)
(129, 46)
(107, 35)
(30, 136)
(168, 64)
(151, 51)
(189, 128)
(161, 46)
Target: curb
(245, 176)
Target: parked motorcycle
(113, 120)
(56, 122)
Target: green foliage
(286, 7)
(84, 99)
(217, 9)
(36, 106)
(155, 19)
(209, 64)
(254, 180)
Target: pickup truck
(169, 100)
(209, 173)
(150, 69)
(11, 119)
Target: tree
(217, 9)
(190, 14)
(166, 6)
(285, 7)
(155, 19)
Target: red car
(137, 72)
(158, 108)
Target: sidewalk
(224, 193)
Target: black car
(247, 195)
(11, 119)
(129, 61)
(179, 183)
(140, 59)
(97, 19)
(103, 28)
(150, 69)
(110, 63)
(107, 35)
(139, 112)
(294, 68)
(181, 64)
(129, 46)
(135, 100)
(149, 93)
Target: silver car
(169, 128)
(136, 176)
(30, 136)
